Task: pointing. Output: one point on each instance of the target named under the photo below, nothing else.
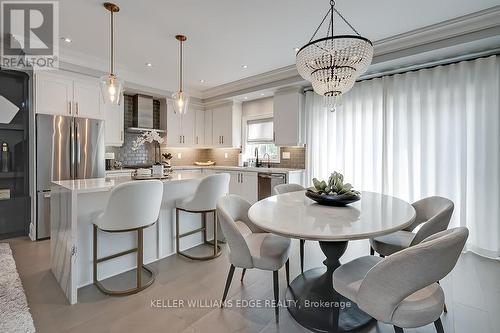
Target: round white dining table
(311, 298)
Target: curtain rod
(427, 65)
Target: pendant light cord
(112, 43)
(180, 68)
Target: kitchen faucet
(257, 163)
(268, 159)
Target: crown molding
(462, 25)
(414, 42)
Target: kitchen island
(74, 204)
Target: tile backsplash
(229, 157)
(145, 154)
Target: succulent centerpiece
(333, 192)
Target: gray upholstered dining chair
(286, 188)
(402, 289)
(249, 246)
(432, 213)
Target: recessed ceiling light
(148, 64)
(245, 97)
(262, 94)
(66, 39)
(244, 66)
(202, 81)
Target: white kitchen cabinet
(87, 99)
(288, 114)
(226, 128)
(180, 128)
(244, 184)
(53, 94)
(61, 93)
(113, 124)
(188, 124)
(174, 138)
(199, 129)
(208, 128)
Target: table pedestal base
(314, 303)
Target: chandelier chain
(319, 26)
(346, 22)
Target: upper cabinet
(180, 128)
(288, 114)
(199, 129)
(113, 125)
(208, 116)
(67, 94)
(226, 125)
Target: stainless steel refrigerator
(66, 148)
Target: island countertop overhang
(105, 184)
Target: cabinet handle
(238, 177)
(274, 136)
(121, 135)
(196, 139)
(70, 108)
(242, 178)
(77, 108)
(223, 139)
(183, 139)
(180, 139)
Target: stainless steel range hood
(142, 114)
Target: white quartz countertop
(219, 167)
(105, 184)
(237, 168)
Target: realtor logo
(30, 34)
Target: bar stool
(132, 206)
(203, 201)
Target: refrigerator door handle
(77, 148)
(72, 150)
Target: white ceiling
(225, 34)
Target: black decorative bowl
(332, 200)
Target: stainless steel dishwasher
(267, 182)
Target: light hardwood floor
(472, 295)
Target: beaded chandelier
(333, 63)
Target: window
(260, 136)
(260, 131)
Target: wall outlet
(226, 155)
(179, 156)
(286, 155)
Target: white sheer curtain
(430, 132)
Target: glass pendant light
(111, 85)
(181, 100)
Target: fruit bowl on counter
(334, 192)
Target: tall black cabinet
(15, 199)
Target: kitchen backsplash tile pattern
(229, 157)
(125, 154)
